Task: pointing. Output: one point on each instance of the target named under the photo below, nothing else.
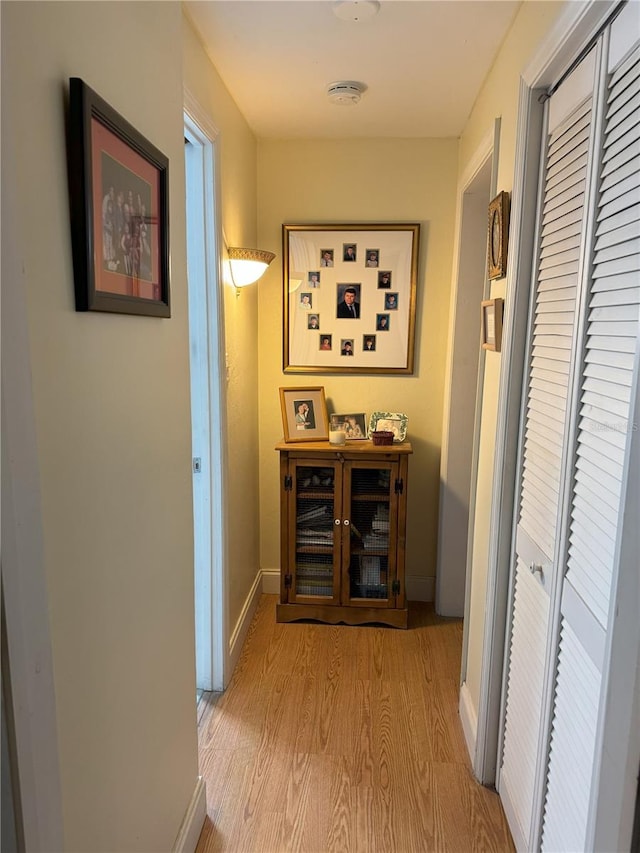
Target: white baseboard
(239, 633)
(271, 581)
(193, 820)
(469, 720)
(420, 589)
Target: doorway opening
(464, 400)
(208, 434)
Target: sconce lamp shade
(247, 265)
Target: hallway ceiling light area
(424, 63)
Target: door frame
(463, 312)
(207, 349)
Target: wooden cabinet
(343, 520)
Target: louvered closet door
(607, 380)
(552, 341)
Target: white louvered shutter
(552, 336)
(607, 378)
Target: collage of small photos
(348, 298)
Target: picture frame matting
(356, 269)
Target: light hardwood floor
(337, 738)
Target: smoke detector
(345, 92)
(355, 10)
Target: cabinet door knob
(336, 521)
(346, 522)
(534, 568)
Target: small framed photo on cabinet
(304, 414)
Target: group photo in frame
(363, 298)
(304, 414)
(353, 425)
(118, 183)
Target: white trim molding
(419, 588)
(241, 628)
(206, 133)
(199, 115)
(271, 581)
(577, 23)
(193, 821)
(469, 720)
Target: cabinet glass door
(315, 509)
(370, 533)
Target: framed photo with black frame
(118, 184)
(357, 267)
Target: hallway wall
(363, 180)
(112, 425)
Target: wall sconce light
(247, 265)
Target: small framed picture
(382, 322)
(391, 302)
(384, 279)
(325, 343)
(119, 211)
(492, 324)
(313, 321)
(304, 414)
(354, 425)
(373, 256)
(314, 279)
(326, 257)
(369, 343)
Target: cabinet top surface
(356, 447)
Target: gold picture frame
(498, 236)
(346, 275)
(492, 310)
(304, 414)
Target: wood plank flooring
(337, 738)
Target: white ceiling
(423, 62)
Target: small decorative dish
(395, 422)
(382, 437)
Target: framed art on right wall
(492, 324)
(498, 237)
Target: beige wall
(237, 146)
(365, 180)
(498, 98)
(111, 399)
